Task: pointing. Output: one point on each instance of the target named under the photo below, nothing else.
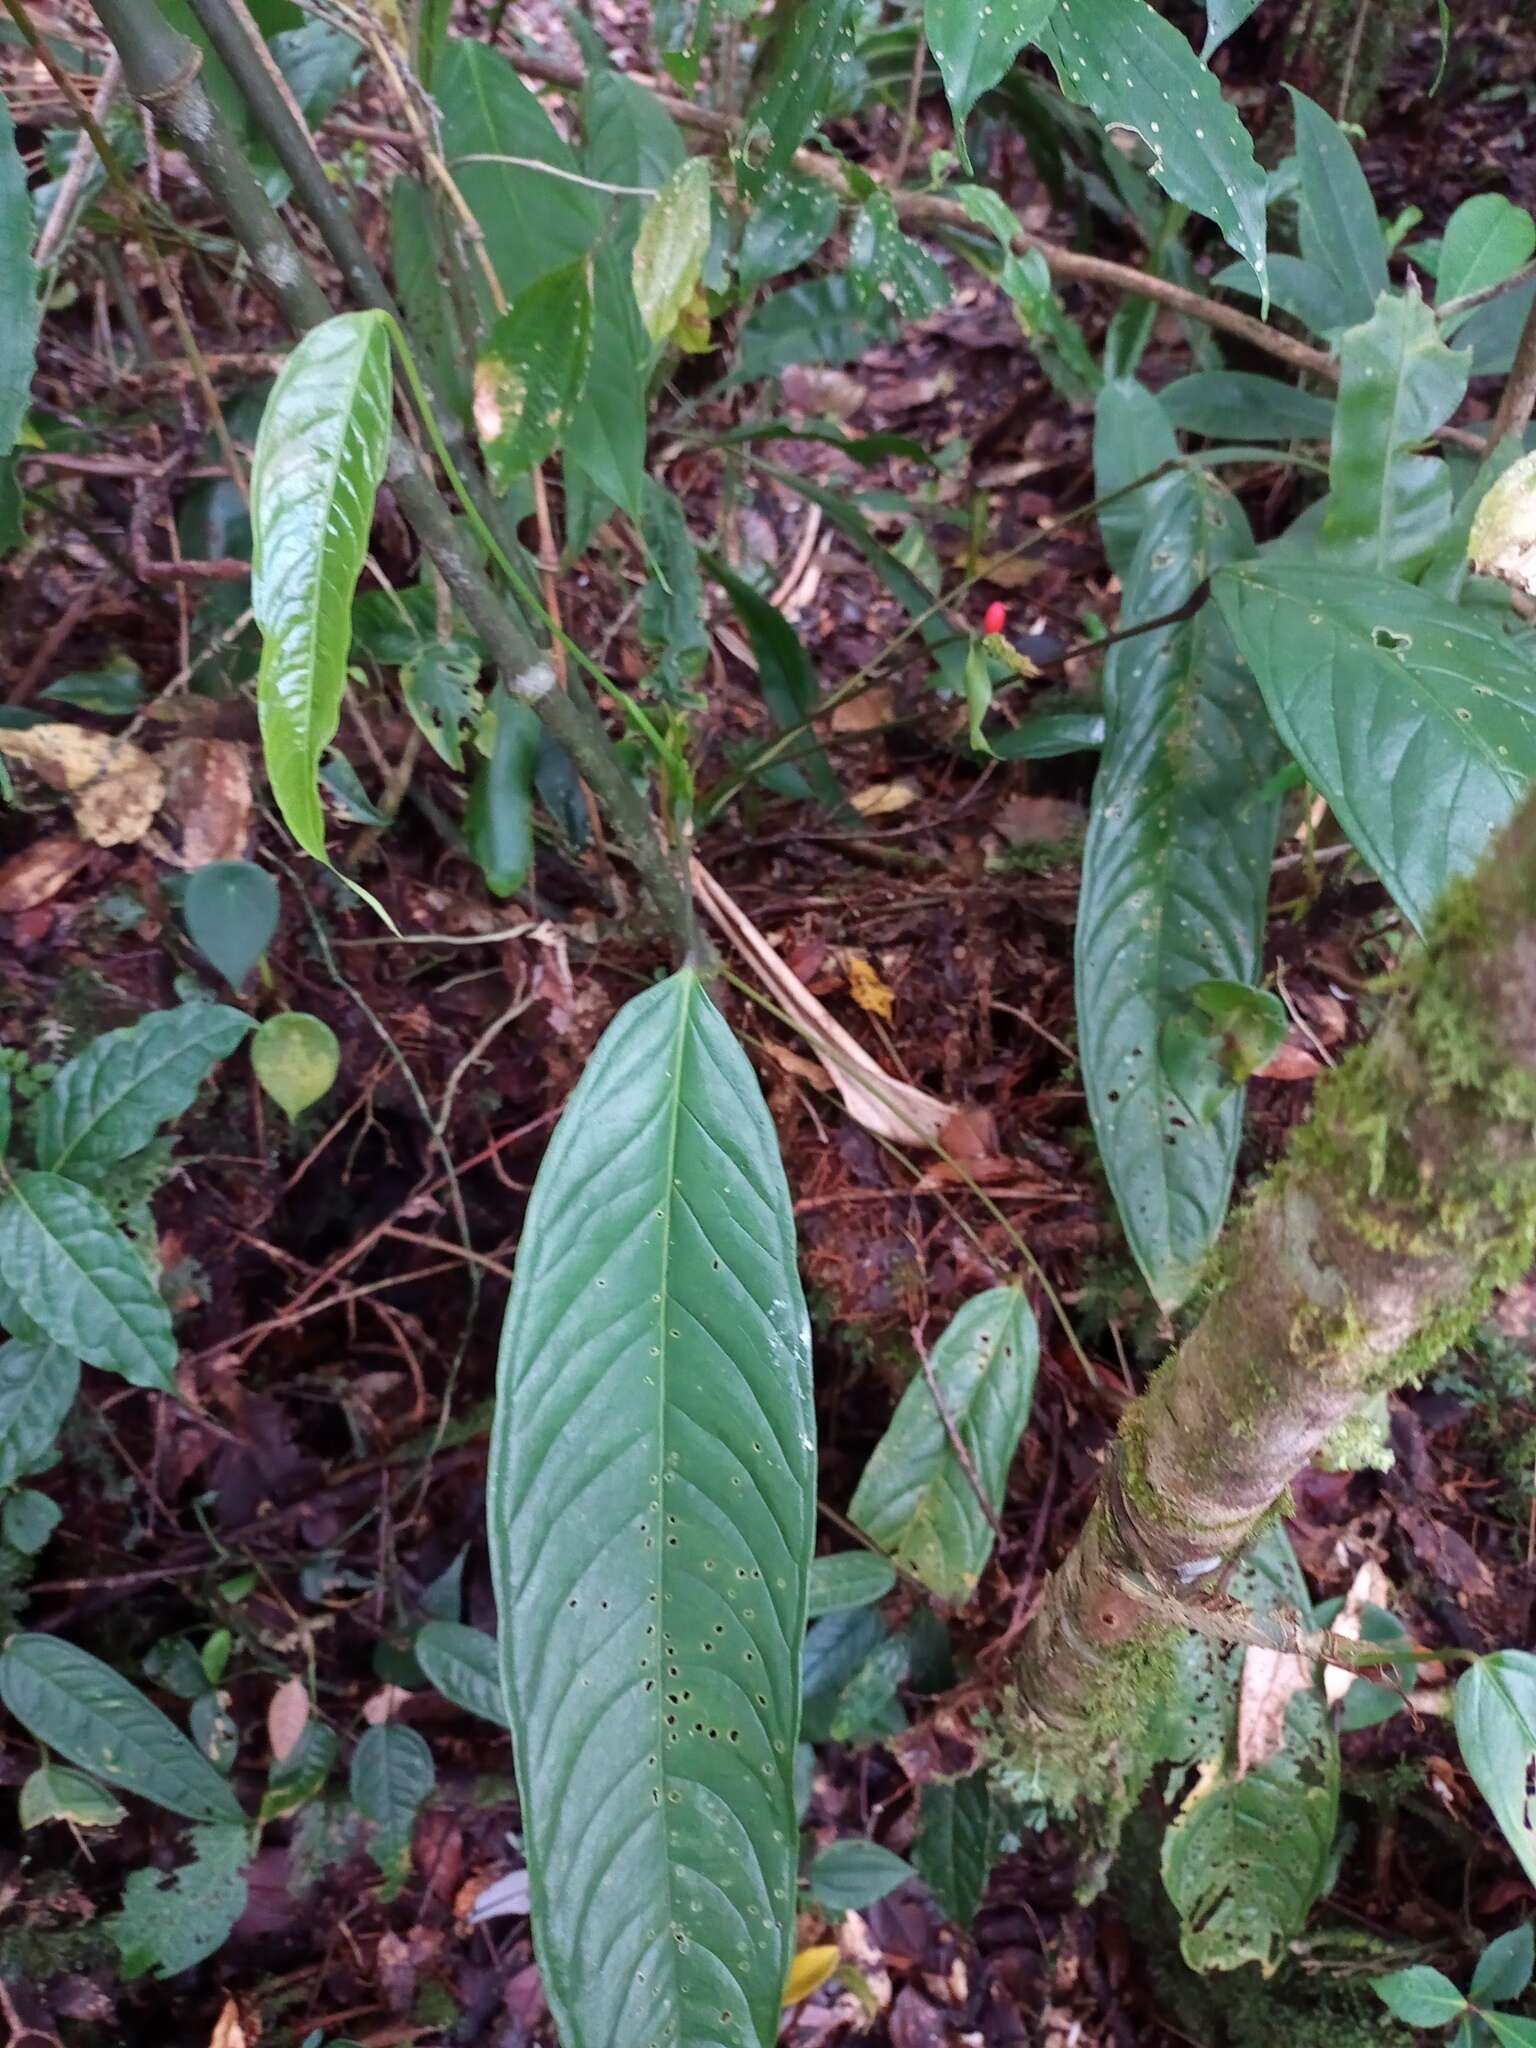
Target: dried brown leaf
(287, 1717)
(40, 871)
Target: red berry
(996, 618)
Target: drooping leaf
(1175, 881)
(802, 81)
(1420, 1996)
(1388, 507)
(671, 246)
(1487, 239)
(392, 1779)
(441, 688)
(1137, 72)
(1302, 289)
(20, 310)
(1495, 1709)
(112, 1098)
(672, 607)
(532, 371)
(975, 45)
(828, 320)
(462, 1663)
(296, 1058)
(1223, 18)
(650, 1505)
(231, 910)
(1340, 237)
(1047, 735)
(1415, 720)
(38, 1384)
(790, 220)
(319, 460)
(956, 1845)
(1132, 437)
(787, 680)
(850, 1578)
(498, 819)
(885, 259)
(851, 1875)
(916, 1499)
(425, 301)
(53, 1792)
(172, 1921)
(77, 1279)
(1237, 405)
(81, 1708)
(605, 438)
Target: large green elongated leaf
(650, 1505)
(975, 45)
(1414, 719)
(1486, 240)
(1495, 1710)
(1136, 71)
(1238, 405)
(424, 297)
(957, 1844)
(1132, 436)
(1388, 507)
(319, 459)
(85, 1711)
(531, 372)
(20, 310)
(38, 1384)
(1175, 880)
(114, 1097)
(605, 437)
(631, 140)
(77, 1278)
(815, 47)
(916, 1499)
(1340, 237)
(391, 1781)
(464, 1666)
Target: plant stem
(161, 69)
(1518, 400)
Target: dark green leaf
(319, 460)
(38, 1384)
(1175, 881)
(1496, 1728)
(231, 910)
(1421, 1996)
(1046, 735)
(631, 140)
(20, 312)
(867, 1706)
(81, 1707)
(651, 1500)
(1417, 722)
(173, 1921)
(1131, 438)
(851, 1875)
(54, 1792)
(392, 1779)
(916, 1499)
(462, 1663)
(828, 320)
(605, 436)
(300, 1776)
(1504, 1967)
(1304, 290)
(672, 607)
(887, 261)
(837, 1646)
(441, 687)
(110, 1100)
(1237, 405)
(425, 300)
(956, 1845)
(1487, 239)
(790, 220)
(296, 1058)
(851, 1578)
(498, 820)
(1222, 19)
(1340, 236)
(77, 1279)
(28, 1520)
(975, 44)
(532, 371)
(113, 691)
(813, 50)
(786, 678)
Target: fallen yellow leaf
(808, 1972)
(883, 797)
(868, 990)
(113, 786)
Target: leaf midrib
(63, 1249)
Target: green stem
(161, 68)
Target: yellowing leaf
(808, 1972)
(868, 990)
(287, 1717)
(883, 797)
(114, 787)
(1503, 539)
(671, 247)
(532, 371)
(296, 1058)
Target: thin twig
(61, 214)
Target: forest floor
(339, 1320)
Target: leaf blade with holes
(1175, 880)
(654, 1413)
(82, 1709)
(974, 46)
(531, 373)
(1415, 720)
(392, 1779)
(75, 1275)
(915, 1498)
(462, 1663)
(110, 1100)
(1495, 1714)
(319, 460)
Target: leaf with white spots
(650, 1502)
(810, 58)
(1136, 71)
(1414, 718)
(975, 44)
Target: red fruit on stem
(996, 618)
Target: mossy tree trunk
(1403, 1204)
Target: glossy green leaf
(851, 1875)
(1389, 507)
(296, 1058)
(803, 78)
(1340, 236)
(532, 371)
(1047, 735)
(77, 1279)
(1297, 287)
(1420, 1996)
(1504, 1967)
(1487, 239)
(38, 1384)
(1175, 881)
(392, 1779)
(28, 1520)
(829, 320)
(464, 1666)
(498, 819)
(231, 911)
(1413, 718)
(849, 1578)
(1137, 72)
(788, 683)
(886, 260)
(300, 1776)
(114, 691)
(319, 459)
(172, 1921)
(20, 310)
(111, 1099)
(1131, 438)
(53, 1792)
(956, 1845)
(790, 220)
(671, 246)
(441, 688)
(1238, 405)
(650, 1501)
(915, 1498)
(976, 44)
(1511, 2032)
(1222, 19)
(84, 1711)
(1495, 1709)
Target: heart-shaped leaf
(112, 1099)
(76, 1278)
(296, 1058)
(392, 1779)
(650, 1504)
